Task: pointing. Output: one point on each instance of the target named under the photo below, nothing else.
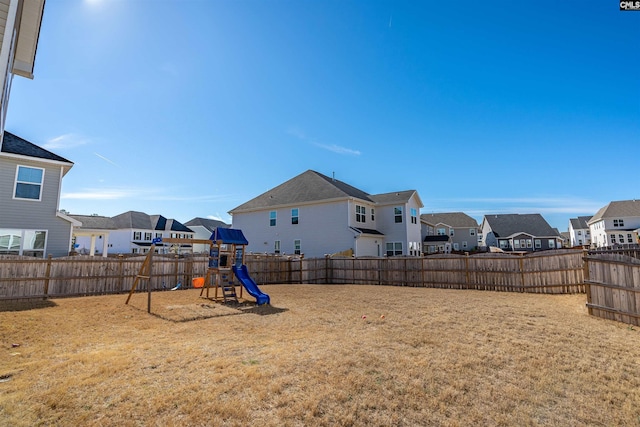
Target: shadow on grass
(25, 305)
(206, 311)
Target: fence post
(522, 272)
(586, 279)
(466, 268)
(47, 275)
(121, 271)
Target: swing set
(226, 260)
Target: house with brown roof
(443, 232)
(616, 224)
(317, 215)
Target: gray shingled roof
(140, 220)
(309, 186)
(393, 197)
(452, 219)
(94, 222)
(13, 144)
(580, 222)
(209, 224)
(506, 225)
(617, 209)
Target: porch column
(105, 245)
(92, 246)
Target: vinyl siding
(34, 215)
(322, 229)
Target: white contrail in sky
(106, 160)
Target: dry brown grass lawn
(438, 357)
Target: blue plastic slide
(243, 276)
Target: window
(294, 216)
(296, 247)
(272, 218)
(529, 243)
(451, 232)
(618, 223)
(361, 213)
(579, 232)
(621, 238)
(394, 248)
(442, 232)
(523, 243)
(23, 242)
(629, 238)
(456, 247)
(147, 236)
(29, 183)
(137, 235)
(552, 244)
(504, 244)
(134, 251)
(613, 238)
(276, 247)
(464, 244)
(158, 235)
(397, 213)
(516, 244)
(414, 216)
(373, 214)
(472, 232)
(538, 243)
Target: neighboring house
(615, 224)
(92, 234)
(315, 215)
(20, 22)
(579, 234)
(442, 232)
(203, 228)
(30, 180)
(134, 233)
(519, 232)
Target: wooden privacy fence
(24, 277)
(555, 272)
(613, 287)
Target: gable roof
(94, 222)
(309, 186)
(140, 220)
(209, 224)
(395, 197)
(452, 219)
(506, 225)
(12, 144)
(617, 209)
(580, 222)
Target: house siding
(31, 214)
(321, 229)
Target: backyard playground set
(226, 262)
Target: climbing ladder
(228, 288)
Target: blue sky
(189, 108)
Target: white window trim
(15, 184)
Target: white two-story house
(616, 224)
(579, 233)
(133, 232)
(316, 215)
